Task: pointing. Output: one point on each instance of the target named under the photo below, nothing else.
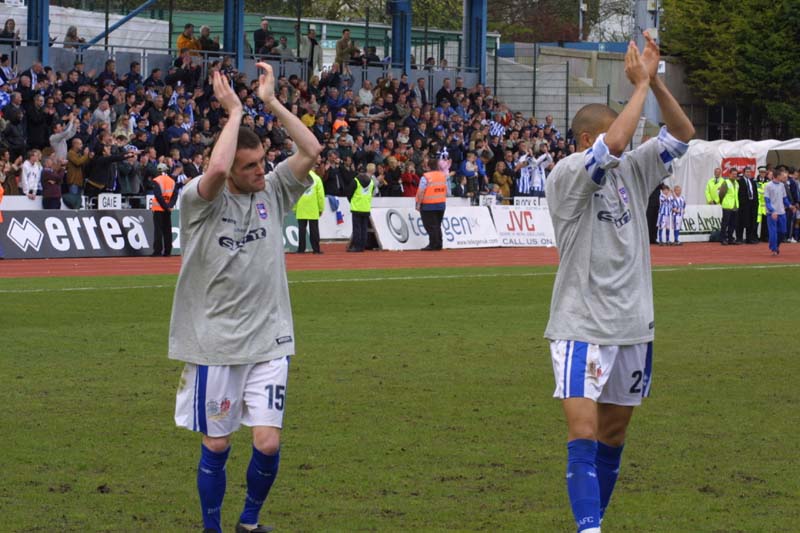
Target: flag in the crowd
(173, 99)
(5, 99)
(496, 129)
(190, 112)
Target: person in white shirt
(365, 93)
(539, 170)
(30, 181)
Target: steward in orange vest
(432, 201)
(165, 196)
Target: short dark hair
(591, 118)
(247, 139)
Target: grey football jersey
(776, 192)
(231, 302)
(603, 290)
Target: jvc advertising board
(523, 226)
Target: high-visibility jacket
(361, 202)
(436, 188)
(712, 190)
(731, 199)
(762, 205)
(2, 193)
(167, 186)
(311, 204)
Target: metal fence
(94, 58)
(540, 89)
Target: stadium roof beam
(475, 16)
(119, 23)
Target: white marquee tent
(694, 169)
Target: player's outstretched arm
(308, 148)
(622, 129)
(219, 166)
(678, 124)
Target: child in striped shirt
(678, 209)
(664, 214)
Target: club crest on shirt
(262, 210)
(623, 193)
(218, 410)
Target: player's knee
(612, 436)
(216, 444)
(579, 430)
(267, 440)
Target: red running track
(335, 258)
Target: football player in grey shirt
(231, 318)
(601, 315)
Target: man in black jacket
(14, 133)
(748, 209)
(261, 35)
(101, 175)
(39, 123)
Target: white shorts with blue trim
(619, 375)
(216, 400)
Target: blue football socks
(677, 235)
(667, 235)
(260, 475)
(661, 235)
(607, 461)
(582, 484)
(211, 486)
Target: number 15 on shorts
(275, 396)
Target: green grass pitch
(418, 400)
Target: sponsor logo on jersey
(262, 210)
(284, 340)
(618, 221)
(236, 244)
(623, 193)
(217, 410)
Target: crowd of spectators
(79, 132)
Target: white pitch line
(398, 278)
(82, 289)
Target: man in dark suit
(461, 190)
(446, 93)
(261, 35)
(748, 209)
(195, 168)
(420, 93)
